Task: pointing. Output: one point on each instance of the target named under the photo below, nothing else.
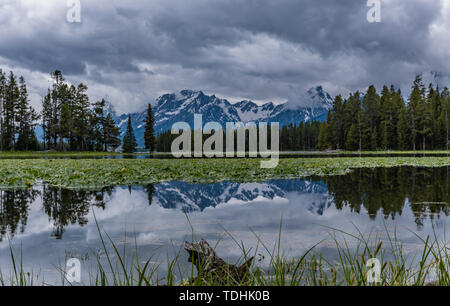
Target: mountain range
(176, 107)
(190, 198)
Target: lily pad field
(94, 173)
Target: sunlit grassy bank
(350, 266)
(56, 154)
(50, 154)
(90, 173)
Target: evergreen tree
(371, 115)
(51, 112)
(323, 136)
(12, 95)
(425, 118)
(403, 131)
(414, 107)
(444, 118)
(352, 121)
(352, 142)
(2, 103)
(97, 124)
(397, 109)
(149, 134)
(389, 118)
(81, 113)
(284, 138)
(129, 140)
(436, 110)
(46, 116)
(111, 133)
(65, 116)
(336, 123)
(26, 117)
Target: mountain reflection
(383, 191)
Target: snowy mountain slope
(172, 108)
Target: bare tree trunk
(209, 265)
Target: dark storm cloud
(132, 51)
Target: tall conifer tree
(149, 134)
(129, 140)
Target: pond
(47, 225)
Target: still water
(49, 225)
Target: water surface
(48, 225)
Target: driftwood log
(213, 269)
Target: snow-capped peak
(176, 107)
(318, 97)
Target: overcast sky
(131, 52)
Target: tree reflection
(388, 190)
(14, 206)
(68, 207)
(150, 190)
(64, 207)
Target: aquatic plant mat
(95, 173)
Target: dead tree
(213, 269)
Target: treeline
(293, 137)
(386, 122)
(302, 137)
(71, 122)
(17, 118)
(164, 140)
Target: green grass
(91, 173)
(369, 153)
(349, 266)
(56, 154)
(18, 276)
